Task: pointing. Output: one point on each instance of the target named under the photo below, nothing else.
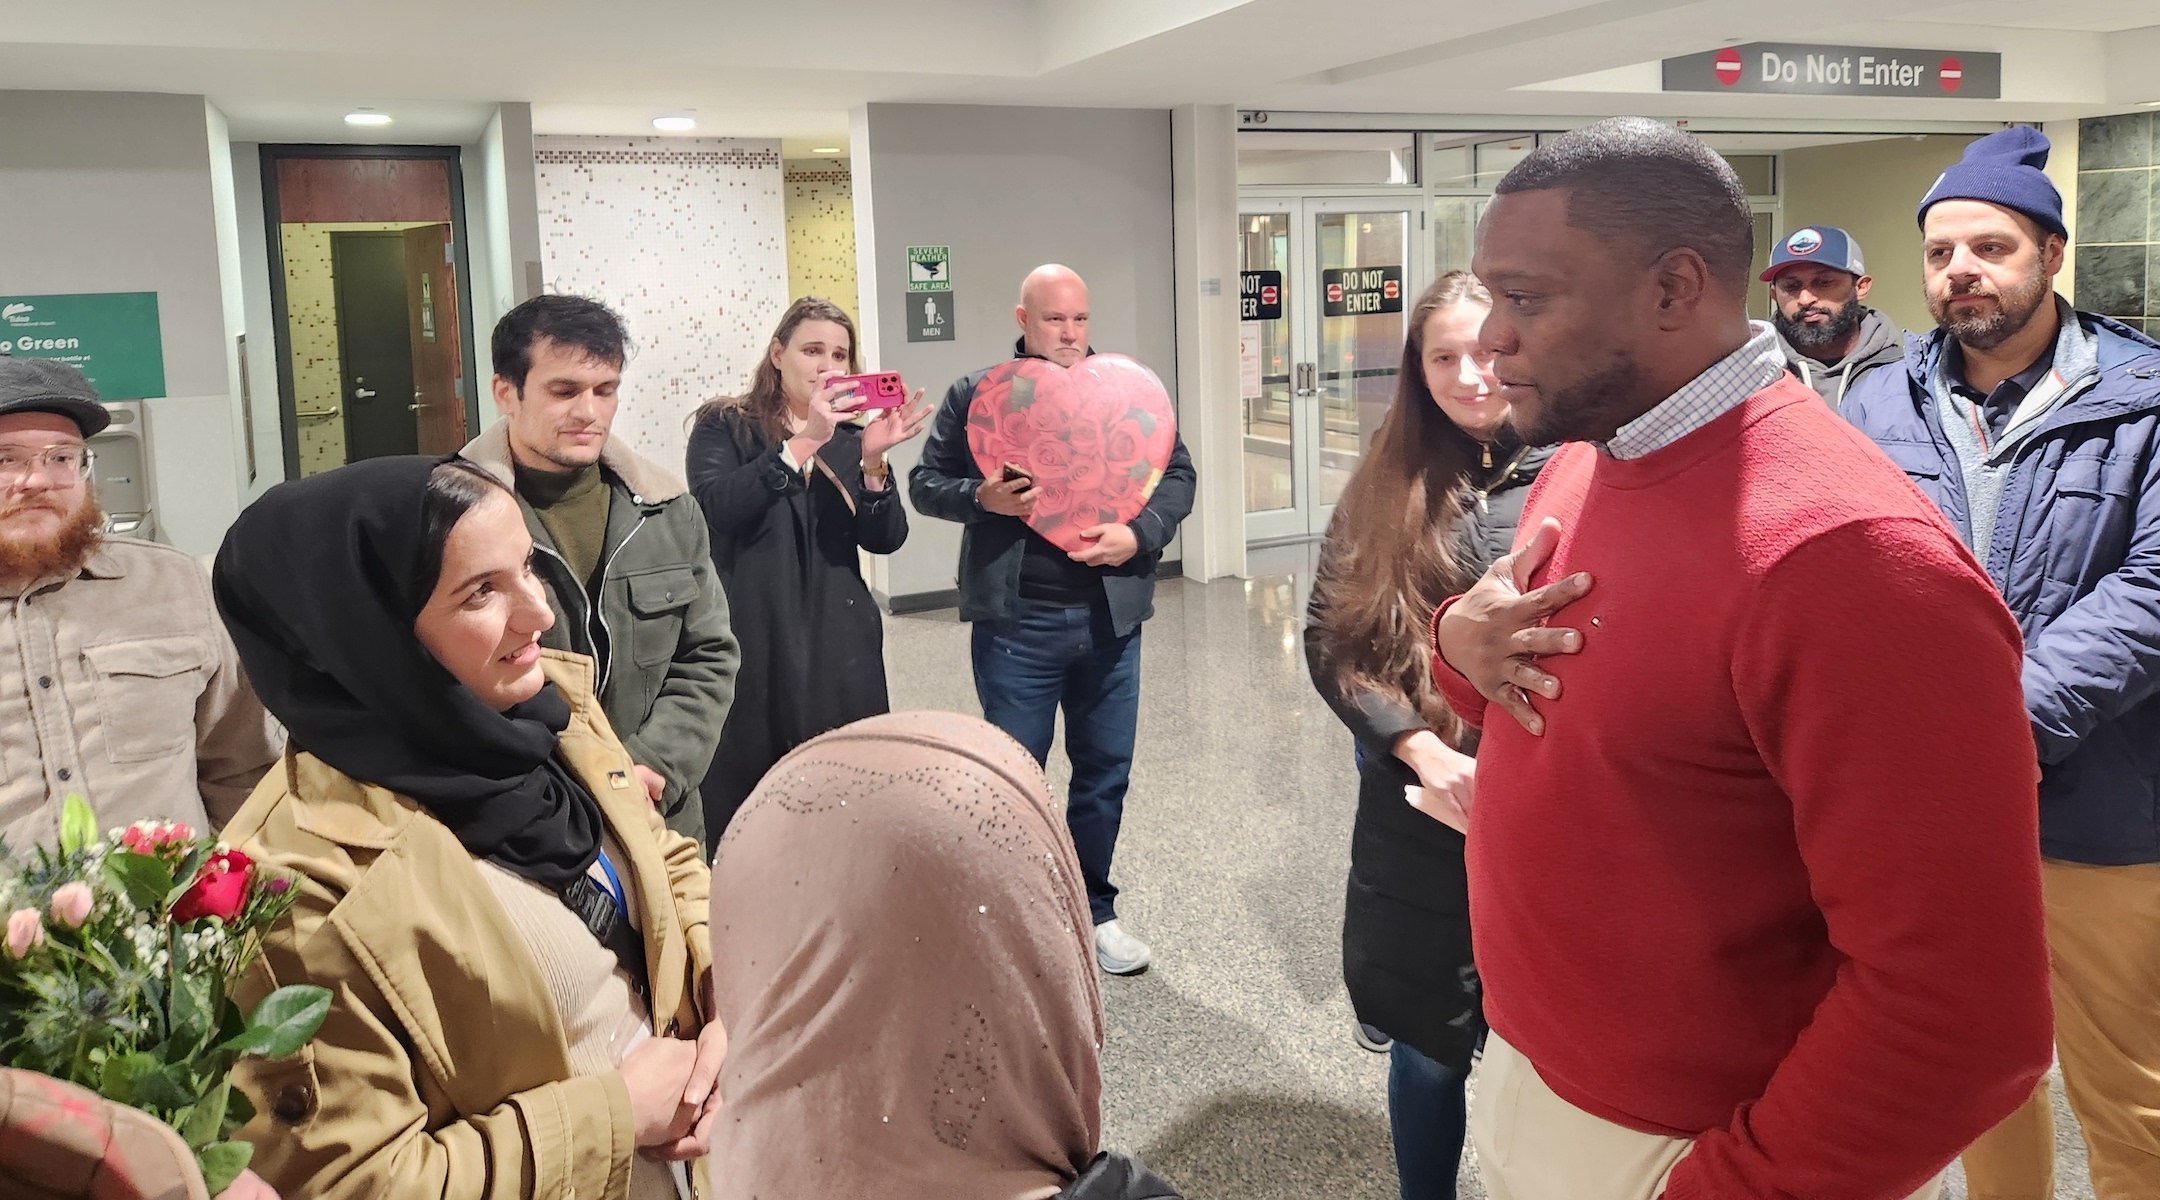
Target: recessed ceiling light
(674, 124)
(367, 116)
(824, 149)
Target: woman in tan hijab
(907, 978)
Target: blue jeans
(1428, 1117)
(1046, 656)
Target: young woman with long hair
(791, 491)
(1434, 501)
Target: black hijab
(319, 582)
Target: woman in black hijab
(504, 922)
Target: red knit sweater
(1770, 880)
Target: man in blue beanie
(2036, 429)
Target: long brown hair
(1392, 554)
(765, 403)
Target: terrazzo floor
(1229, 1065)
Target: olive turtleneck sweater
(573, 508)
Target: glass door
(1325, 286)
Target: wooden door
(438, 366)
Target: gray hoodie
(1880, 345)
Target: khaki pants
(1532, 1145)
(2103, 928)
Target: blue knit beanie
(2004, 168)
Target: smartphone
(879, 390)
(1011, 472)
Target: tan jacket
(442, 1070)
(121, 684)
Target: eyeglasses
(59, 464)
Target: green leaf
(1146, 420)
(239, 1110)
(122, 1073)
(78, 825)
(1140, 471)
(205, 1123)
(192, 1014)
(284, 1021)
(146, 880)
(222, 1163)
(163, 1088)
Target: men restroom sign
(1358, 291)
(1792, 69)
(1259, 295)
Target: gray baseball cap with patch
(47, 385)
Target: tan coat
(443, 1070)
(120, 683)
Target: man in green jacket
(619, 543)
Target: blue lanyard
(615, 887)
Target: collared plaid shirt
(1704, 398)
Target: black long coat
(1406, 912)
(784, 544)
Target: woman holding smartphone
(791, 491)
(1434, 501)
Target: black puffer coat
(1406, 916)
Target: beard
(1802, 336)
(2014, 309)
(62, 552)
(1582, 411)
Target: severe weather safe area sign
(1357, 291)
(1259, 295)
(929, 268)
(1791, 69)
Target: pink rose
(1125, 443)
(71, 904)
(1087, 473)
(1085, 437)
(24, 931)
(1048, 459)
(1052, 499)
(220, 888)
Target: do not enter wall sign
(1794, 69)
(1359, 291)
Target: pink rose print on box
(1096, 436)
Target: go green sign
(112, 336)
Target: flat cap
(48, 385)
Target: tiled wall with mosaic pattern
(2117, 239)
(311, 308)
(821, 231)
(687, 239)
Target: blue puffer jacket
(2076, 552)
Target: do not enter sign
(1358, 291)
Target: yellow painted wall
(821, 231)
(311, 327)
(1871, 190)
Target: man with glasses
(117, 680)
(1829, 337)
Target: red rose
(1052, 410)
(1052, 499)
(1085, 437)
(220, 888)
(1013, 431)
(1124, 444)
(1118, 486)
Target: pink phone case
(879, 390)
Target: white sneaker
(1118, 952)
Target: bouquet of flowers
(113, 975)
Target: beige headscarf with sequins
(902, 959)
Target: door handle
(417, 407)
(316, 413)
(362, 394)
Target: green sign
(112, 336)
(929, 268)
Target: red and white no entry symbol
(1391, 289)
(1727, 66)
(1334, 293)
(1952, 73)
(1270, 296)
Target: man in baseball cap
(2036, 429)
(1830, 338)
(117, 679)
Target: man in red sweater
(1757, 903)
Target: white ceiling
(285, 70)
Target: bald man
(1054, 628)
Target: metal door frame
(1307, 517)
